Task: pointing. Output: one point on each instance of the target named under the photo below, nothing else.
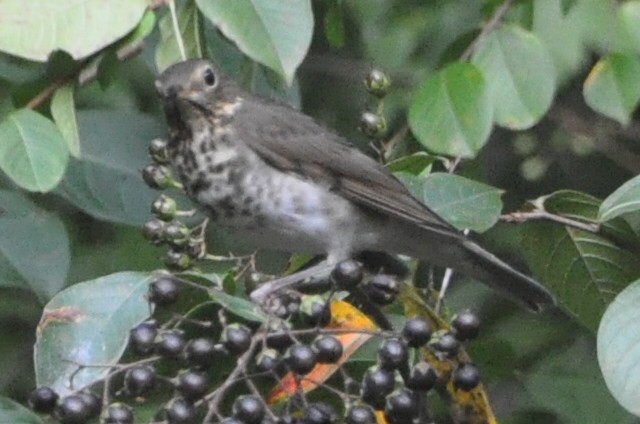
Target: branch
(520, 217)
(487, 28)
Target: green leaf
(34, 248)
(105, 181)
(520, 93)
(274, 33)
(189, 23)
(624, 201)
(613, 87)
(619, 347)
(238, 306)
(33, 153)
(568, 382)
(12, 412)
(34, 29)
(451, 111)
(64, 114)
(415, 164)
(584, 270)
(629, 21)
(462, 202)
(88, 324)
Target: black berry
(92, 401)
(142, 337)
(170, 344)
(164, 290)
(119, 413)
(139, 380)
(153, 231)
(416, 331)
(177, 260)
(192, 384)
(268, 360)
(401, 407)
(72, 410)
(466, 325)
(158, 151)
(382, 289)
(300, 358)
(236, 338)
(164, 208)
(372, 124)
(43, 399)
(360, 414)
(393, 354)
(347, 274)
(445, 343)
(180, 411)
(158, 177)
(423, 377)
(328, 349)
(200, 352)
(316, 310)
(319, 413)
(466, 377)
(377, 383)
(248, 409)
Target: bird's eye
(209, 77)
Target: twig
(487, 28)
(520, 217)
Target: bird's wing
(294, 142)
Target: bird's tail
(503, 278)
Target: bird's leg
(318, 271)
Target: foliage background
(74, 216)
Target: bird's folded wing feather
(294, 142)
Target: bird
(280, 180)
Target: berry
(279, 337)
(92, 401)
(466, 325)
(316, 310)
(43, 399)
(347, 274)
(142, 337)
(177, 233)
(328, 349)
(177, 261)
(236, 338)
(393, 354)
(360, 414)
(423, 377)
(164, 208)
(139, 380)
(170, 344)
(164, 290)
(382, 289)
(377, 83)
(248, 409)
(268, 360)
(466, 377)
(180, 411)
(416, 331)
(377, 383)
(158, 177)
(445, 342)
(72, 410)
(192, 384)
(372, 124)
(319, 413)
(300, 358)
(200, 352)
(153, 231)
(401, 407)
(119, 413)
(158, 151)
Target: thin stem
(520, 217)
(176, 29)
